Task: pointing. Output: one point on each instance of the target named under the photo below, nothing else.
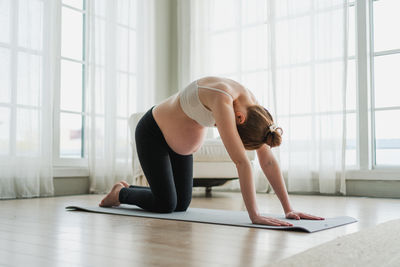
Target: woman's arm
(271, 169)
(225, 119)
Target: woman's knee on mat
(166, 205)
(183, 204)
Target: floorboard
(40, 232)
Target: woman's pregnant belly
(183, 135)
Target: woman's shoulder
(212, 80)
(222, 83)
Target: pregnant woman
(169, 133)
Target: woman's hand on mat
(269, 221)
(300, 215)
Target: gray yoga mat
(224, 217)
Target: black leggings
(169, 174)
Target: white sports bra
(192, 106)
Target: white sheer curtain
(293, 56)
(120, 82)
(27, 56)
(310, 81)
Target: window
(386, 82)
(372, 106)
(114, 61)
(351, 109)
(244, 26)
(71, 115)
(47, 51)
(21, 77)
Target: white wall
(165, 48)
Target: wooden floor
(39, 232)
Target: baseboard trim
(373, 188)
(362, 188)
(64, 186)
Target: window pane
(292, 41)
(122, 94)
(4, 130)
(122, 136)
(27, 132)
(257, 83)
(328, 35)
(386, 22)
(387, 137)
(70, 135)
(387, 80)
(100, 7)
(71, 86)
(254, 11)
(352, 31)
(126, 12)
(301, 129)
(74, 3)
(123, 9)
(29, 79)
(282, 42)
(224, 53)
(122, 48)
(133, 102)
(351, 92)
(99, 84)
(132, 51)
(224, 14)
(100, 41)
(99, 137)
(297, 137)
(282, 92)
(5, 20)
(5, 83)
(351, 138)
(30, 24)
(71, 33)
(254, 46)
(300, 90)
(328, 86)
(300, 36)
(291, 7)
(133, 11)
(326, 142)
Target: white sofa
(212, 165)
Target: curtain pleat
(26, 109)
(120, 82)
(293, 56)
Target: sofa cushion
(214, 150)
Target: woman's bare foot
(112, 198)
(124, 183)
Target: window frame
(365, 55)
(365, 168)
(69, 166)
(79, 167)
(238, 28)
(364, 78)
(373, 109)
